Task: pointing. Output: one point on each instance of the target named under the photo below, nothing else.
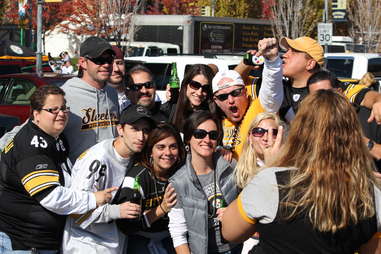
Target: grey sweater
(93, 115)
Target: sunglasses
(56, 110)
(101, 60)
(259, 132)
(234, 93)
(200, 134)
(196, 85)
(138, 86)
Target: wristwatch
(370, 144)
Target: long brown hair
(183, 107)
(333, 180)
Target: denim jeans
(6, 247)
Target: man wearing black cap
(106, 164)
(94, 105)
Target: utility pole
(39, 38)
(325, 20)
(213, 6)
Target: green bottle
(174, 83)
(136, 197)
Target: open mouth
(233, 109)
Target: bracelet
(165, 212)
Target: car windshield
(374, 66)
(135, 51)
(342, 67)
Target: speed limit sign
(325, 33)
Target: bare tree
(117, 18)
(295, 18)
(365, 18)
(110, 19)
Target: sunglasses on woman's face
(197, 85)
(200, 134)
(259, 132)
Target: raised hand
(169, 199)
(268, 47)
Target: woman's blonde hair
(333, 180)
(247, 166)
(367, 79)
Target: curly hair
(333, 180)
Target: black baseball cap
(94, 46)
(134, 113)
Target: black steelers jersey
(31, 167)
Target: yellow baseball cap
(306, 45)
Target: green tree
(235, 9)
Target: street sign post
(325, 33)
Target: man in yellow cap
(304, 56)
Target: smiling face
(144, 96)
(197, 96)
(165, 154)
(233, 107)
(50, 123)
(118, 72)
(97, 74)
(259, 143)
(204, 147)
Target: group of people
(238, 164)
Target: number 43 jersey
(31, 166)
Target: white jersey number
(39, 142)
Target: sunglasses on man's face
(138, 86)
(197, 85)
(235, 93)
(101, 60)
(200, 134)
(259, 132)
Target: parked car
(7, 123)
(353, 65)
(161, 66)
(16, 89)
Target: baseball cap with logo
(94, 46)
(225, 79)
(306, 45)
(134, 113)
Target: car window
(3, 87)
(20, 92)
(342, 67)
(374, 66)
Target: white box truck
(202, 34)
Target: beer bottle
(174, 84)
(250, 59)
(136, 196)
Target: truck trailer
(202, 34)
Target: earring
(187, 148)
(151, 160)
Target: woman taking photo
(33, 165)
(265, 137)
(321, 191)
(146, 183)
(195, 94)
(204, 185)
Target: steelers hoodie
(93, 117)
